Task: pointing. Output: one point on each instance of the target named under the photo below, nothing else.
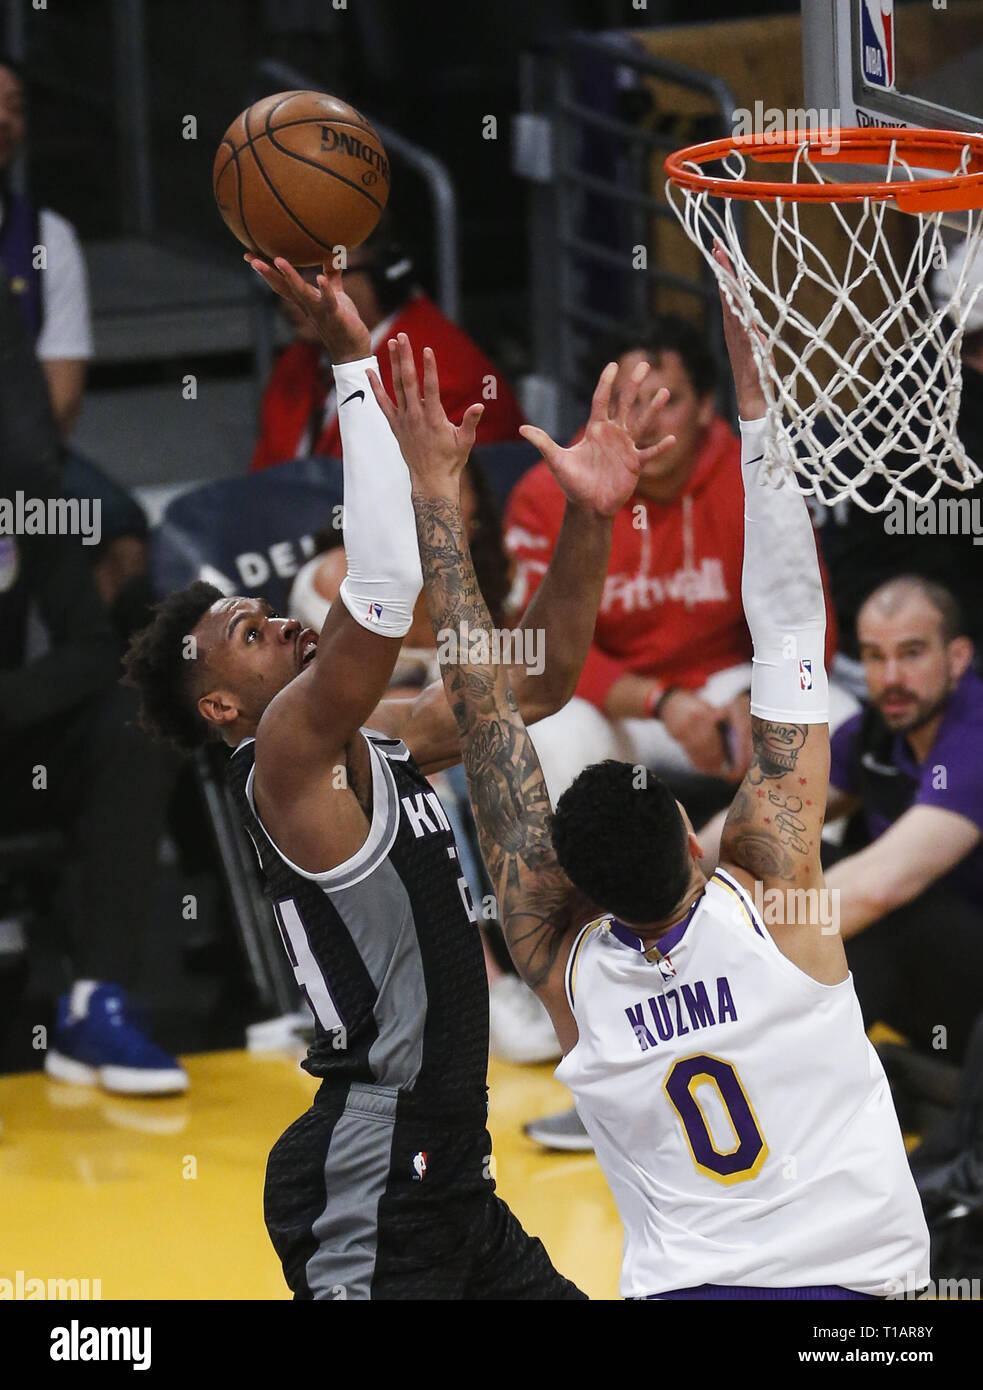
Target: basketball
(299, 174)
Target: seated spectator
(519, 1026)
(54, 301)
(72, 756)
(911, 879)
(299, 413)
(667, 680)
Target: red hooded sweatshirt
(671, 607)
(301, 386)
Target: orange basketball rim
(957, 153)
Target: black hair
(157, 664)
(669, 333)
(620, 838)
(390, 268)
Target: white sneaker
(519, 1026)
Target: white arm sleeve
(783, 595)
(384, 577)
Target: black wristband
(660, 702)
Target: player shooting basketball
(383, 1189)
(720, 1065)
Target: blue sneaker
(97, 1042)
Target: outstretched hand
(601, 471)
(435, 450)
(325, 303)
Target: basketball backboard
(894, 62)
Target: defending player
(383, 1188)
(720, 1064)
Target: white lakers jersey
(741, 1117)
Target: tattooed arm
(505, 782)
(772, 834)
(597, 476)
(537, 902)
(771, 841)
(773, 828)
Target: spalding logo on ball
(299, 174)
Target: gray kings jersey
(385, 946)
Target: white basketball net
(879, 419)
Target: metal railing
(593, 206)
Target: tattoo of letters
(761, 848)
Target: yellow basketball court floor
(163, 1198)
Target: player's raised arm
(357, 648)
(597, 476)
(505, 782)
(771, 837)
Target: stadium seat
(247, 535)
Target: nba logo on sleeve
(374, 613)
(877, 42)
(805, 675)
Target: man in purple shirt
(911, 890)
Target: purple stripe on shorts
(731, 1291)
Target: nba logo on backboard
(374, 613)
(877, 42)
(805, 675)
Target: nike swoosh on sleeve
(355, 396)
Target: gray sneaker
(564, 1131)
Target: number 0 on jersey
(748, 1152)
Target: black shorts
(364, 1203)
